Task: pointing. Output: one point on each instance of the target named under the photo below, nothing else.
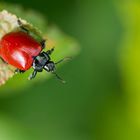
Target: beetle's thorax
(43, 61)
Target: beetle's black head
(50, 66)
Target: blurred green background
(101, 100)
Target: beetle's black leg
(3, 61)
(22, 26)
(19, 71)
(49, 52)
(16, 71)
(32, 75)
(43, 43)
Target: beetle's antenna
(64, 59)
(59, 78)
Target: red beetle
(22, 51)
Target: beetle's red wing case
(18, 49)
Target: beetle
(21, 50)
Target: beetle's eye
(46, 68)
